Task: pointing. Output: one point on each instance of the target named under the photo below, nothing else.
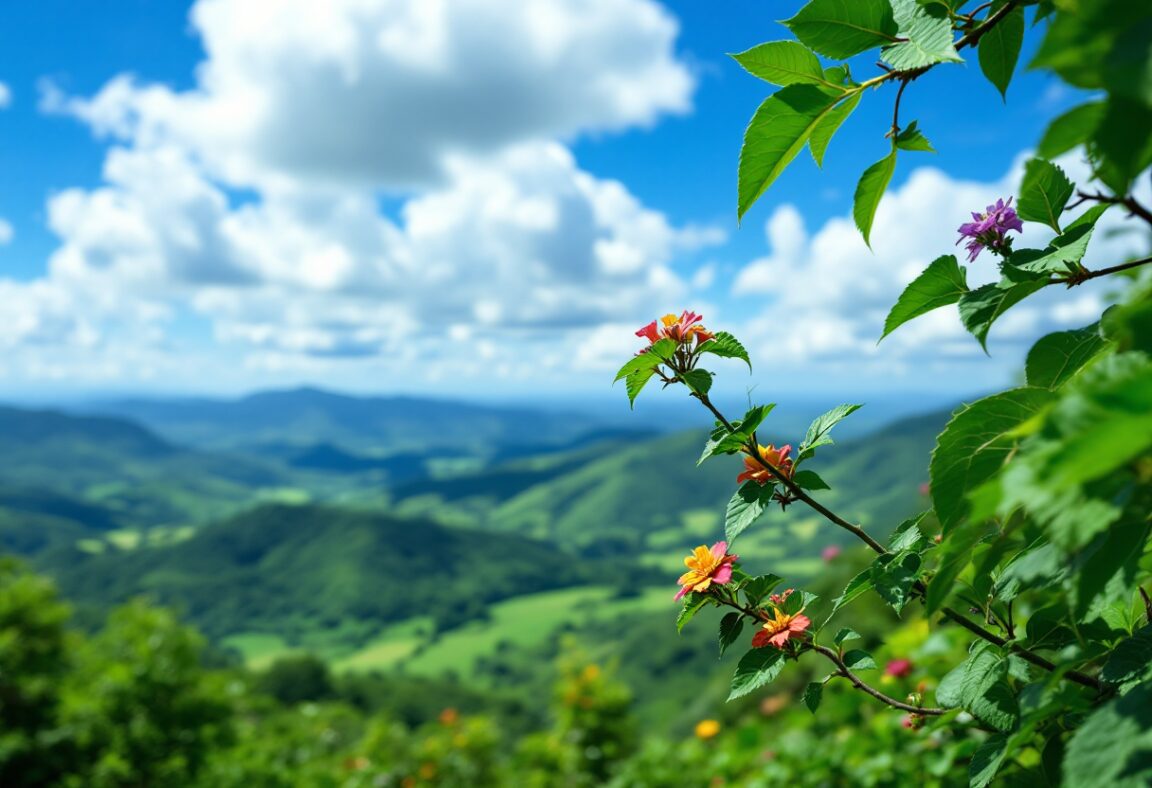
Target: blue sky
(235, 194)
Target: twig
(1084, 275)
(844, 671)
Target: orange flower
(681, 329)
(706, 729)
(777, 458)
(706, 567)
(781, 629)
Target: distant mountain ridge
(374, 424)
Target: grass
(259, 649)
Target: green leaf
(1131, 662)
(907, 535)
(1043, 193)
(692, 605)
(913, 139)
(988, 757)
(893, 578)
(979, 685)
(810, 480)
(999, 47)
(1113, 748)
(758, 667)
(845, 634)
(856, 586)
(784, 63)
(840, 29)
(1070, 130)
(813, 694)
(725, 345)
(942, 283)
(869, 190)
(658, 353)
(776, 133)
(823, 132)
(725, 442)
(927, 34)
(974, 446)
(699, 381)
(759, 587)
(1058, 356)
(730, 628)
(1064, 253)
(857, 660)
(818, 430)
(1122, 144)
(636, 382)
(745, 506)
(980, 308)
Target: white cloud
(5, 96)
(6, 232)
(381, 92)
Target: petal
(760, 639)
(680, 594)
(719, 549)
(723, 574)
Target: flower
(681, 329)
(706, 729)
(777, 458)
(781, 629)
(706, 567)
(898, 668)
(830, 553)
(989, 230)
(779, 599)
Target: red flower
(830, 553)
(706, 567)
(781, 629)
(680, 330)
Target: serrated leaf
(999, 47)
(809, 480)
(942, 283)
(1064, 253)
(818, 430)
(813, 694)
(871, 187)
(857, 660)
(692, 604)
(927, 37)
(636, 382)
(856, 586)
(907, 535)
(980, 308)
(777, 132)
(783, 63)
(655, 355)
(979, 685)
(845, 634)
(745, 506)
(894, 577)
(824, 131)
(1058, 356)
(986, 760)
(1131, 661)
(840, 29)
(1070, 130)
(758, 667)
(725, 345)
(759, 587)
(730, 628)
(725, 442)
(913, 139)
(974, 445)
(698, 381)
(1113, 747)
(1044, 192)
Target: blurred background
(313, 472)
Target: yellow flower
(706, 729)
(706, 567)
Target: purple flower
(989, 230)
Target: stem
(843, 670)
(896, 109)
(1023, 653)
(1128, 201)
(1083, 276)
(794, 490)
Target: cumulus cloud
(382, 92)
(827, 294)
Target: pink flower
(781, 629)
(899, 668)
(830, 553)
(706, 567)
(779, 599)
(680, 330)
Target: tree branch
(843, 670)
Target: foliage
(1036, 545)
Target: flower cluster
(989, 230)
(681, 330)
(705, 567)
(777, 458)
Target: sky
(479, 198)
